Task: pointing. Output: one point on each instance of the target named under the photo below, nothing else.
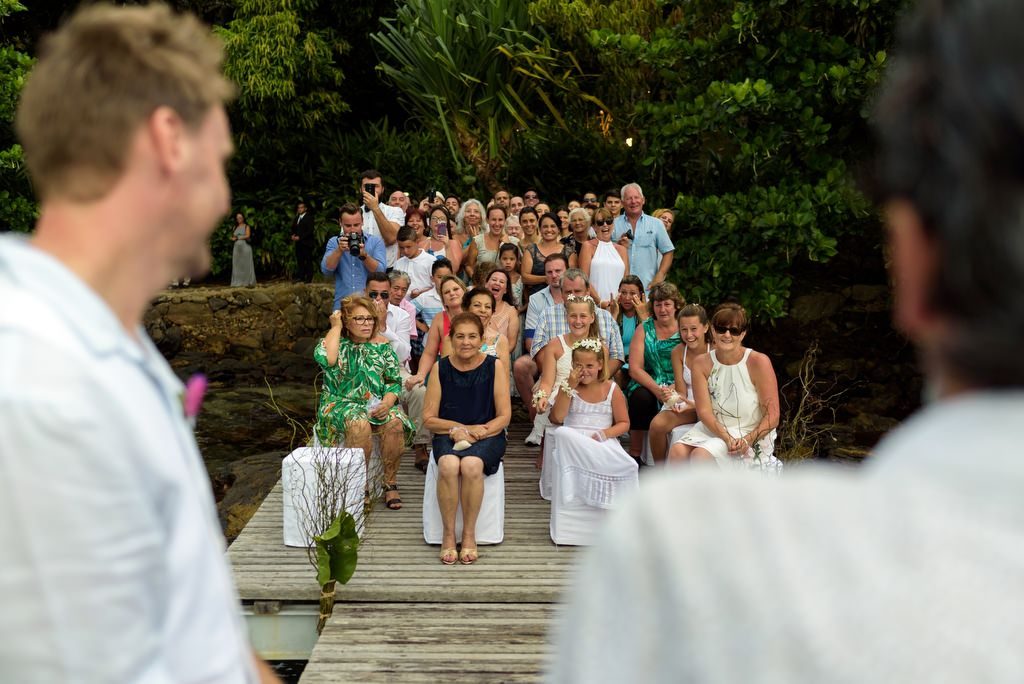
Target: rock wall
(261, 331)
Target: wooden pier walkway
(405, 617)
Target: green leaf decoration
(337, 550)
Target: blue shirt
(350, 273)
(538, 304)
(650, 243)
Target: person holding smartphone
(382, 220)
(439, 224)
(352, 255)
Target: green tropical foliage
(745, 116)
(477, 71)
(289, 83)
(17, 206)
(754, 113)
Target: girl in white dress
(587, 455)
(695, 332)
(737, 397)
(556, 356)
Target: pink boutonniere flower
(195, 389)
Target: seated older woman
(468, 406)
(362, 384)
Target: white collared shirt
(113, 567)
(907, 570)
(398, 332)
(393, 214)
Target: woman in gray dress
(243, 272)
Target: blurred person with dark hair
(907, 569)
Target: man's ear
(915, 263)
(166, 131)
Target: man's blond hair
(99, 77)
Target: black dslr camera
(355, 243)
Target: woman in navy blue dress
(467, 407)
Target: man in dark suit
(302, 236)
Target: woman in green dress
(652, 380)
(361, 390)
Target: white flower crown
(579, 298)
(590, 344)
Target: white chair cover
(490, 524)
(547, 473)
(299, 483)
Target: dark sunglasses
(735, 332)
(529, 196)
(589, 199)
(603, 222)
(377, 295)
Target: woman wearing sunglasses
(605, 262)
(737, 397)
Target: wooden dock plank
(406, 617)
(439, 641)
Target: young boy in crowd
(415, 261)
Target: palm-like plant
(477, 71)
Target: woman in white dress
(737, 397)
(605, 262)
(587, 458)
(243, 271)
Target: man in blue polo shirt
(650, 248)
(349, 269)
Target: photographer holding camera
(352, 255)
(381, 220)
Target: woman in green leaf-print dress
(361, 390)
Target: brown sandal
(422, 459)
(393, 503)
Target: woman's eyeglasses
(378, 295)
(362, 320)
(603, 222)
(732, 330)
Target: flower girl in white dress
(587, 458)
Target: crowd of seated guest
(569, 310)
